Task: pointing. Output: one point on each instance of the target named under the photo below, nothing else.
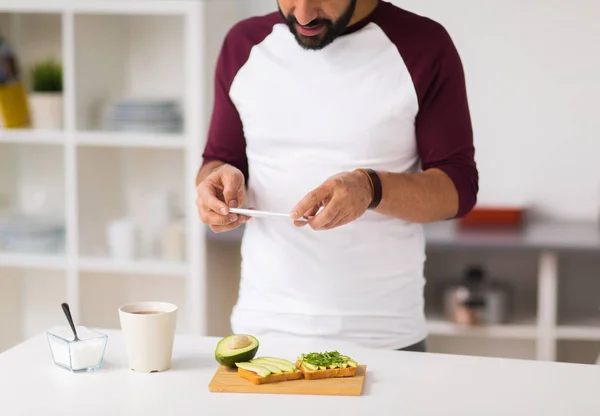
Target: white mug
(149, 332)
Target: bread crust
(273, 378)
(330, 373)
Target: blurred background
(104, 106)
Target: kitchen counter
(405, 383)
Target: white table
(402, 382)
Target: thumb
(233, 184)
(312, 199)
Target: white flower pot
(46, 110)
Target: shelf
(141, 140)
(40, 261)
(55, 262)
(26, 136)
(524, 329)
(32, 261)
(533, 236)
(584, 329)
(140, 267)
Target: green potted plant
(46, 97)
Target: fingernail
(223, 211)
(233, 217)
(233, 203)
(294, 215)
(242, 220)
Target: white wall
(532, 73)
(258, 7)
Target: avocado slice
(236, 348)
(282, 364)
(258, 369)
(273, 368)
(310, 366)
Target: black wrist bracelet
(376, 186)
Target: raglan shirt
(389, 94)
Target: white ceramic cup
(149, 337)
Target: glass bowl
(86, 354)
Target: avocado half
(237, 348)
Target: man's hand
(345, 197)
(222, 189)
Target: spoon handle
(67, 311)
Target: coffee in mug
(149, 332)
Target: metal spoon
(67, 311)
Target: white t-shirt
(389, 94)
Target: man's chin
(314, 43)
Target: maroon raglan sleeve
(443, 124)
(225, 141)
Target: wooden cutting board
(226, 380)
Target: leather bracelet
(376, 188)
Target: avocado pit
(239, 341)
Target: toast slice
(329, 373)
(328, 364)
(271, 378)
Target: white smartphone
(262, 214)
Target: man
(355, 114)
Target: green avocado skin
(228, 357)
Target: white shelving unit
(131, 140)
(18, 260)
(114, 49)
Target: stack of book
(144, 116)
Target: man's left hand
(344, 198)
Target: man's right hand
(222, 189)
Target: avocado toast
(329, 364)
(264, 370)
(238, 351)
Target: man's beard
(331, 30)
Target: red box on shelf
(493, 217)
